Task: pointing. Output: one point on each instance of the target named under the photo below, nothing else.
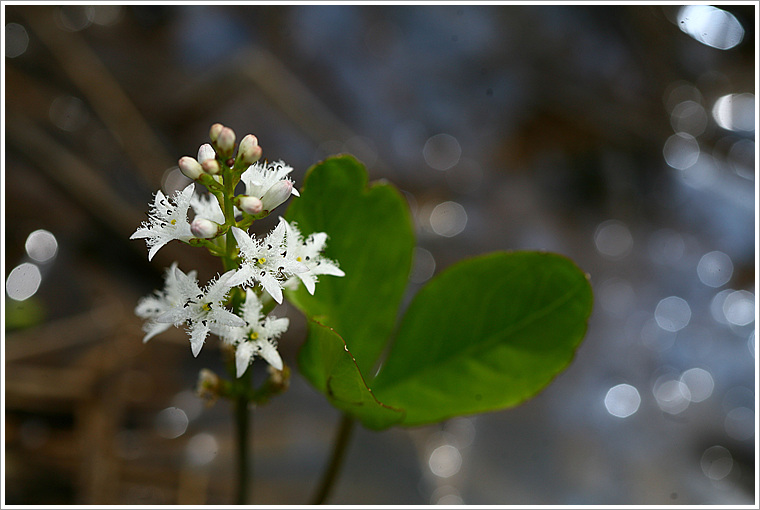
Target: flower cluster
(235, 305)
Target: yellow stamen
(253, 335)
(262, 260)
(173, 222)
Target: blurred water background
(622, 136)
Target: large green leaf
(486, 334)
(371, 237)
(326, 362)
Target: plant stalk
(340, 445)
(241, 425)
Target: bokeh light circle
(622, 400)
(672, 313)
(715, 269)
(23, 281)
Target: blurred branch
(60, 335)
(287, 93)
(291, 96)
(103, 92)
(87, 187)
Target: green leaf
(371, 238)
(486, 334)
(326, 362)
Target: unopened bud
(249, 151)
(226, 142)
(206, 151)
(213, 133)
(277, 194)
(190, 167)
(251, 205)
(208, 387)
(204, 229)
(211, 166)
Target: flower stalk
(235, 306)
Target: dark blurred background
(621, 136)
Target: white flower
(257, 338)
(207, 206)
(202, 310)
(151, 307)
(265, 261)
(269, 182)
(167, 220)
(309, 252)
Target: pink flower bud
(211, 166)
(249, 151)
(251, 205)
(206, 151)
(190, 167)
(203, 228)
(213, 133)
(277, 194)
(226, 142)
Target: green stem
(241, 425)
(340, 446)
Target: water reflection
(448, 219)
(673, 396)
(69, 113)
(741, 158)
(681, 150)
(424, 266)
(711, 26)
(16, 40)
(716, 306)
(622, 400)
(716, 462)
(445, 461)
(201, 449)
(74, 18)
(41, 246)
(735, 112)
(442, 151)
(700, 384)
(715, 269)
(613, 239)
(689, 117)
(23, 281)
(739, 308)
(672, 313)
(171, 423)
(679, 92)
(446, 495)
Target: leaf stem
(340, 445)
